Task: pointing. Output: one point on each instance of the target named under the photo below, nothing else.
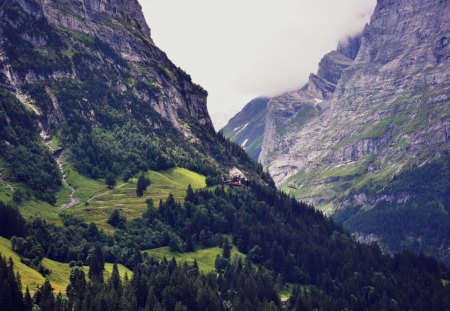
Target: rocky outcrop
(247, 127)
(377, 109)
(120, 25)
(384, 101)
(289, 113)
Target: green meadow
(59, 272)
(205, 257)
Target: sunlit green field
(59, 272)
(205, 257)
(123, 196)
(29, 277)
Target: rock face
(85, 75)
(120, 25)
(378, 109)
(289, 113)
(247, 127)
(391, 101)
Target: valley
(109, 158)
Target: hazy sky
(241, 49)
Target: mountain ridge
(387, 116)
(120, 110)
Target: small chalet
(237, 179)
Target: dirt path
(57, 155)
(100, 194)
(73, 200)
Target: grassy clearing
(5, 192)
(37, 209)
(85, 187)
(31, 209)
(29, 277)
(60, 272)
(286, 292)
(123, 197)
(205, 257)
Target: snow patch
(244, 143)
(243, 128)
(318, 101)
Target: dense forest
(421, 223)
(95, 106)
(285, 242)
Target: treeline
(28, 161)
(12, 222)
(291, 240)
(422, 222)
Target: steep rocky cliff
(247, 127)
(122, 26)
(88, 73)
(340, 142)
(291, 109)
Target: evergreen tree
(27, 300)
(110, 180)
(116, 220)
(44, 297)
(226, 249)
(142, 184)
(114, 281)
(97, 264)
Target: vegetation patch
(205, 257)
(29, 276)
(99, 207)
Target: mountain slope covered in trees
(86, 97)
(377, 109)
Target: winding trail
(57, 155)
(73, 200)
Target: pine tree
(190, 194)
(110, 180)
(151, 301)
(226, 249)
(76, 289)
(46, 299)
(142, 184)
(27, 300)
(128, 300)
(97, 264)
(114, 281)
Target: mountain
(111, 188)
(367, 139)
(247, 127)
(89, 74)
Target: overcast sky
(241, 49)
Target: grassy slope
(60, 272)
(205, 258)
(101, 201)
(30, 277)
(124, 198)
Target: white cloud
(241, 49)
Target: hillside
(377, 109)
(116, 103)
(59, 273)
(107, 155)
(247, 127)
